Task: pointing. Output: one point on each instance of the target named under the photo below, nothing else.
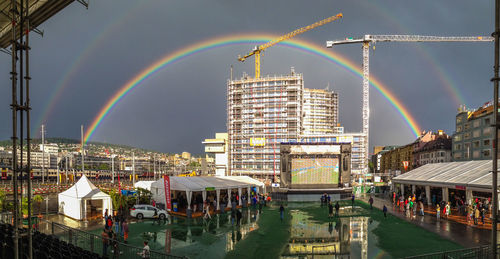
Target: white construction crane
(366, 40)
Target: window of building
(486, 152)
(476, 123)
(476, 133)
(487, 121)
(467, 135)
(486, 142)
(458, 137)
(457, 155)
(458, 147)
(475, 144)
(459, 128)
(467, 126)
(459, 119)
(487, 131)
(476, 154)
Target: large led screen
(315, 171)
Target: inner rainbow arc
(219, 42)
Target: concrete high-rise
(264, 112)
(320, 110)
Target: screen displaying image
(315, 171)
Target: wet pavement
(462, 234)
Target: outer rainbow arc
(219, 42)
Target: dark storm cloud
(183, 104)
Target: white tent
(84, 199)
(144, 185)
(202, 184)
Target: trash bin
(175, 207)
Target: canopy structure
(468, 174)
(204, 184)
(84, 200)
(144, 185)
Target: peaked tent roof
(200, 183)
(468, 173)
(83, 189)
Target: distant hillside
(7, 143)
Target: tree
(3, 200)
(38, 199)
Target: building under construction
(264, 112)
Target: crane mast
(258, 49)
(366, 40)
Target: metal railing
(475, 252)
(97, 244)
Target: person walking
(282, 212)
(233, 216)
(482, 212)
(447, 208)
(438, 212)
(371, 202)
(238, 217)
(385, 211)
(330, 210)
(337, 207)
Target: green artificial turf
(269, 240)
(398, 237)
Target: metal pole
(112, 169)
(66, 158)
(28, 134)
(495, 142)
(43, 153)
(14, 107)
(133, 169)
(83, 163)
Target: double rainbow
(219, 42)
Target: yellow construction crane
(256, 51)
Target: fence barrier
(475, 252)
(97, 244)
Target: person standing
(438, 212)
(282, 212)
(476, 215)
(447, 208)
(337, 207)
(330, 210)
(207, 211)
(385, 211)
(125, 230)
(421, 204)
(371, 202)
(352, 200)
(105, 242)
(482, 215)
(145, 251)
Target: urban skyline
(184, 102)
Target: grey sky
(184, 103)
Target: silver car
(147, 211)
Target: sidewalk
(462, 234)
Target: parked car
(147, 211)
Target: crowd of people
(115, 229)
(474, 213)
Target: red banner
(168, 202)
